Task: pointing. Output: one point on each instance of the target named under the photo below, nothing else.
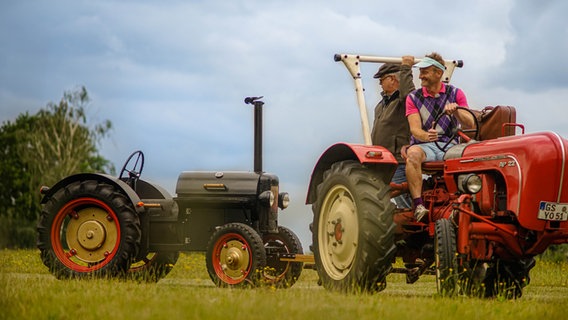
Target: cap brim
(423, 64)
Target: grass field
(29, 291)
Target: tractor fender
(365, 154)
(128, 191)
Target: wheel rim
(85, 234)
(232, 259)
(338, 232)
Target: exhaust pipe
(257, 131)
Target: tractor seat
(433, 166)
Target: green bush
(17, 233)
(556, 253)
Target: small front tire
(235, 256)
(446, 258)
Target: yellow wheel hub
(234, 259)
(91, 234)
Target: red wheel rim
(232, 259)
(85, 234)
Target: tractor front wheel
(353, 229)
(235, 256)
(88, 228)
(446, 258)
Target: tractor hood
(534, 167)
(217, 183)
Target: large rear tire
(88, 228)
(281, 274)
(235, 256)
(353, 229)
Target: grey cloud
(536, 54)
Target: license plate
(553, 211)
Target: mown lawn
(28, 291)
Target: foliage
(556, 253)
(41, 149)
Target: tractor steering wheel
(135, 169)
(458, 131)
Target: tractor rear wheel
(446, 258)
(155, 266)
(353, 229)
(281, 274)
(235, 256)
(88, 228)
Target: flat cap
(387, 68)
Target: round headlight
(283, 200)
(267, 198)
(471, 183)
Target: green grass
(28, 291)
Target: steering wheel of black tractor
(465, 134)
(132, 168)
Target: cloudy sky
(172, 75)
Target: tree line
(39, 150)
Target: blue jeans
(402, 201)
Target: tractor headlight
(469, 183)
(283, 200)
(266, 198)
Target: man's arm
(406, 81)
(415, 123)
(464, 117)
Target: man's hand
(450, 108)
(432, 135)
(408, 60)
(464, 117)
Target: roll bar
(353, 64)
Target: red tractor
(496, 201)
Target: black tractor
(97, 225)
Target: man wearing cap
(390, 127)
(423, 105)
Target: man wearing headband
(390, 127)
(423, 105)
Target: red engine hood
(534, 167)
